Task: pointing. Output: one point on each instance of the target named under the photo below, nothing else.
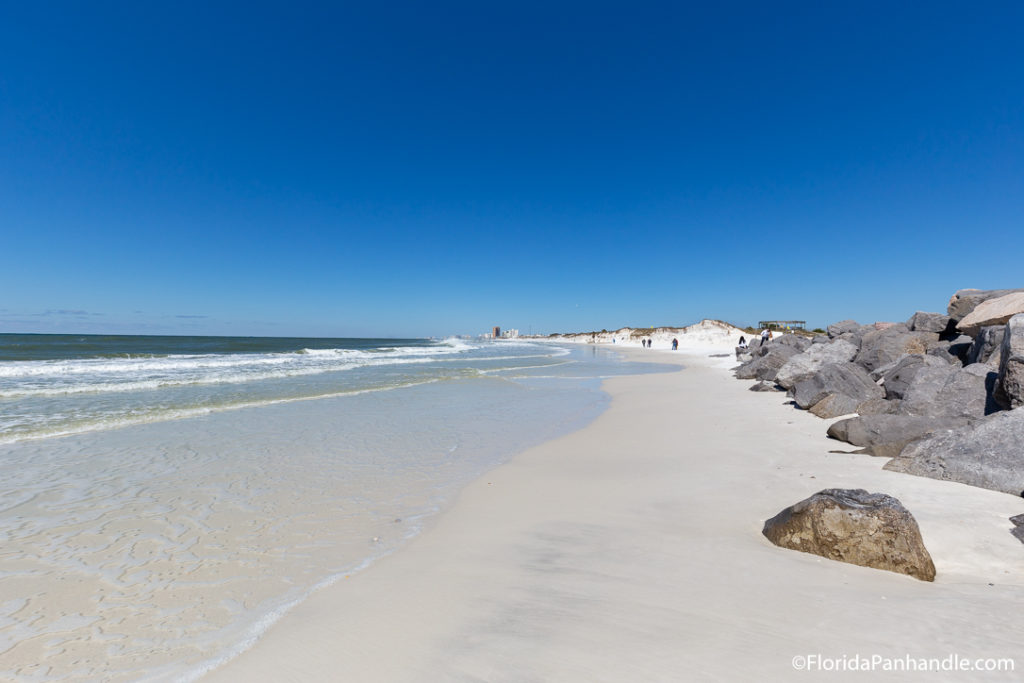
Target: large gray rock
(842, 327)
(796, 341)
(985, 348)
(960, 346)
(843, 385)
(880, 406)
(1009, 389)
(852, 525)
(950, 391)
(966, 300)
(929, 322)
(765, 367)
(835, 405)
(886, 435)
(997, 311)
(901, 374)
(803, 365)
(880, 347)
(944, 352)
(987, 453)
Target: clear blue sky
(430, 168)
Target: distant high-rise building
(497, 331)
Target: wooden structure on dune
(781, 324)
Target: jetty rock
(886, 436)
(842, 327)
(987, 345)
(966, 300)
(836, 389)
(1009, 389)
(803, 365)
(930, 322)
(996, 311)
(897, 377)
(852, 525)
(766, 386)
(950, 391)
(766, 365)
(986, 453)
(881, 347)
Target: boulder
(852, 525)
(985, 348)
(886, 435)
(765, 367)
(766, 386)
(1009, 389)
(794, 340)
(966, 300)
(997, 311)
(986, 453)
(844, 385)
(880, 347)
(805, 364)
(900, 374)
(842, 327)
(880, 406)
(929, 322)
(949, 391)
(835, 405)
(944, 352)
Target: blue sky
(408, 169)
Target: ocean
(163, 500)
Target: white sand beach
(631, 551)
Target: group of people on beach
(646, 343)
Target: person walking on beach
(675, 344)
(765, 336)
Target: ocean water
(163, 500)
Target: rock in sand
(852, 525)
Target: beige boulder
(852, 525)
(996, 311)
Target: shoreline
(180, 540)
(631, 550)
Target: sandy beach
(631, 550)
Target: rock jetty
(938, 394)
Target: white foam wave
(188, 376)
(163, 415)
(206, 362)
